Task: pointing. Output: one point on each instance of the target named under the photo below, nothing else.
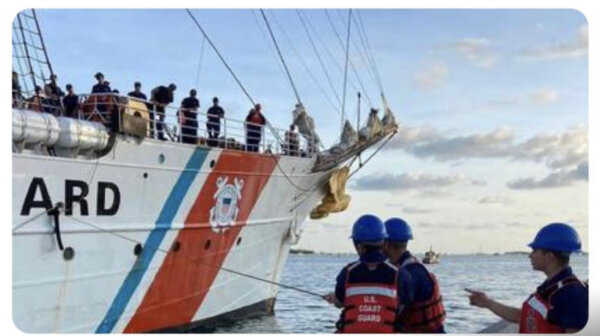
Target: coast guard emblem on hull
(225, 210)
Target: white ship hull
(194, 212)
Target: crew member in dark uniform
(137, 91)
(161, 96)
(561, 303)
(188, 118)
(70, 102)
(426, 313)
(213, 122)
(372, 291)
(101, 87)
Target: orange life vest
(256, 119)
(534, 313)
(424, 316)
(370, 307)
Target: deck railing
(112, 109)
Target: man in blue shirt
(137, 91)
(371, 291)
(188, 113)
(213, 122)
(426, 314)
(101, 100)
(561, 303)
(101, 86)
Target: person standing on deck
(137, 92)
(101, 87)
(188, 118)
(54, 88)
(70, 102)
(161, 96)
(561, 303)
(254, 125)
(213, 122)
(426, 314)
(371, 291)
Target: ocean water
(508, 278)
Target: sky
(492, 104)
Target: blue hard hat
(368, 228)
(557, 237)
(398, 230)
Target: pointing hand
(477, 298)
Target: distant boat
(431, 257)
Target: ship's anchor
(55, 212)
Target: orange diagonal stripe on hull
(181, 284)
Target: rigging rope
(200, 63)
(307, 68)
(22, 73)
(364, 58)
(321, 63)
(36, 50)
(346, 71)
(197, 261)
(221, 57)
(364, 90)
(370, 53)
(27, 53)
(287, 71)
(37, 25)
(268, 124)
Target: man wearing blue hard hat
(371, 291)
(560, 304)
(426, 314)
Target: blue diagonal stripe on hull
(163, 223)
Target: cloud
(566, 154)
(438, 226)
(410, 181)
(494, 144)
(499, 199)
(433, 193)
(578, 47)
(431, 77)
(568, 149)
(415, 210)
(476, 51)
(559, 150)
(553, 180)
(408, 136)
(544, 96)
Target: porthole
(68, 253)
(176, 246)
(239, 240)
(207, 245)
(161, 158)
(137, 249)
(212, 164)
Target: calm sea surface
(508, 278)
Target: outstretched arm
(480, 299)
